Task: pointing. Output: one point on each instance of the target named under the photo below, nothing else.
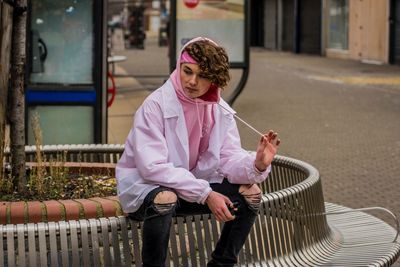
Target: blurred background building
(366, 30)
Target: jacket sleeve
(150, 150)
(237, 164)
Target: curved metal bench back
(291, 230)
(291, 220)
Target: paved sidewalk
(341, 116)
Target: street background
(341, 116)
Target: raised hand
(266, 150)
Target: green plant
(52, 179)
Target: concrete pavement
(341, 116)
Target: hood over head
(211, 96)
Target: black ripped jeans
(157, 224)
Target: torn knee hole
(252, 195)
(164, 202)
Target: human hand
(218, 205)
(266, 150)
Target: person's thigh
(226, 188)
(191, 208)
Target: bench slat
(174, 244)
(115, 242)
(1, 248)
(95, 241)
(105, 242)
(192, 241)
(32, 245)
(135, 239)
(64, 243)
(85, 251)
(73, 226)
(182, 242)
(10, 229)
(53, 243)
(21, 244)
(125, 243)
(199, 230)
(207, 234)
(43, 251)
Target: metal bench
(295, 227)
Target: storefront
(293, 25)
(357, 29)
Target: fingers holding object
(271, 137)
(278, 141)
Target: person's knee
(165, 202)
(252, 195)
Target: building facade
(365, 30)
(357, 29)
(292, 25)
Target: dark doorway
(271, 24)
(288, 23)
(395, 32)
(256, 23)
(310, 26)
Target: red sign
(191, 3)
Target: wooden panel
(355, 29)
(368, 30)
(377, 25)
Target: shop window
(338, 37)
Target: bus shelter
(67, 76)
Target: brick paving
(350, 131)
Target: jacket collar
(171, 101)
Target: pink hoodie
(198, 112)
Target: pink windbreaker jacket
(157, 153)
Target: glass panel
(222, 21)
(62, 41)
(63, 124)
(338, 24)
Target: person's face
(193, 83)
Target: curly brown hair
(213, 61)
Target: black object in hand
(233, 207)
